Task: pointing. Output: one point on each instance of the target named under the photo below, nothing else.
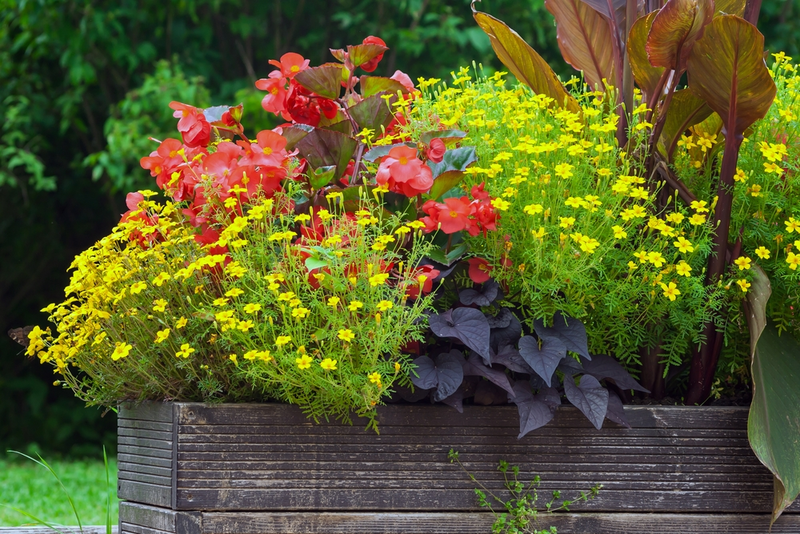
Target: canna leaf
(676, 27)
(727, 70)
(645, 74)
(524, 62)
(773, 426)
(584, 38)
(602, 7)
(326, 80)
(685, 110)
(730, 7)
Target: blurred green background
(83, 84)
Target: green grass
(32, 488)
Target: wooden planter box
(190, 468)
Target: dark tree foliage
(83, 85)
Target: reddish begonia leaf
(524, 62)
(646, 75)
(325, 80)
(676, 27)
(727, 70)
(448, 136)
(326, 147)
(444, 183)
(584, 38)
(374, 112)
(360, 54)
(372, 85)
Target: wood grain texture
(143, 519)
(270, 457)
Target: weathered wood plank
(147, 411)
(290, 499)
(157, 435)
(137, 476)
(147, 516)
(473, 416)
(145, 443)
(144, 451)
(146, 469)
(144, 425)
(136, 460)
(480, 523)
(139, 492)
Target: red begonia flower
(290, 64)
(413, 285)
(403, 78)
(194, 128)
(436, 150)
(479, 270)
(275, 99)
(372, 64)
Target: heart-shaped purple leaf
(426, 373)
(501, 320)
(589, 397)
(450, 372)
(510, 357)
(475, 367)
(570, 366)
(488, 394)
(615, 411)
(602, 366)
(467, 325)
(487, 293)
(533, 413)
(542, 360)
(508, 335)
(549, 396)
(569, 330)
(456, 400)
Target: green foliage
(140, 119)
(522, 509)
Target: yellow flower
(670, 291)
(222, 301)
(233, 358)
(244, 326)
(162, 335)
(185, 351)
(632, 266)
(683, 245)
(300, 313)
(619, 233)
(286, 297)
(282, 340)
(763, 253)
(384, 305)
(121, 350)
(355, 305)
(138, 287)
(566, 222)
(303, 362)
(641, 255)
(533, 209)
(743, 262)
(675, 217)
(500, 204)
(564, 170)
(378, 279)
(699, 206)
(656, 258)
(793, 260)
(792, 225)
(346, 335)
(160, 279)
(328, 364)
(334, 301)
(180, 323)
(159, 305)
(683, 269)
(252, 308)
(375, 378)
(697, 219)
(233, 293)
(743, 284)
(755, 190)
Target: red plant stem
(651, 104)
(751, 11)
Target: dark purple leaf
(501, 320)
(407, 395)
(488, 394)
(467, 325)
(426, 373)
(475, 367)
(508, 335)
(450, 372)
(326, 80)
(374, 112)
(486, 293)
(533, 413)
(542, 360)
(570, 366)
(615, 411)
(569, 330)
(510, 357)
(549, 396)
(589, 397)
(456, 400)
(602, 366)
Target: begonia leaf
(542, 360)
(676, 28)
(381, 151)
(445, 135)
(486, 293)
(646, 75)
(372, 85)
(569, 330)
(455, 159)
(602, 366)
(467, 325)
(524, 62)
(444, 183)
(450, 374)
(326, 147)
(342, 126)
(615, 411)
(533, 413)
(727, 70)
(295, 133)
(373, 112)
(589, 397)
(511, 359)
(773, 426)
(361, 53)
(425, 369)
(474, 367)
(325, 80)
(319, 178)
(685, 110)
(584, 38)
(448, 258)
